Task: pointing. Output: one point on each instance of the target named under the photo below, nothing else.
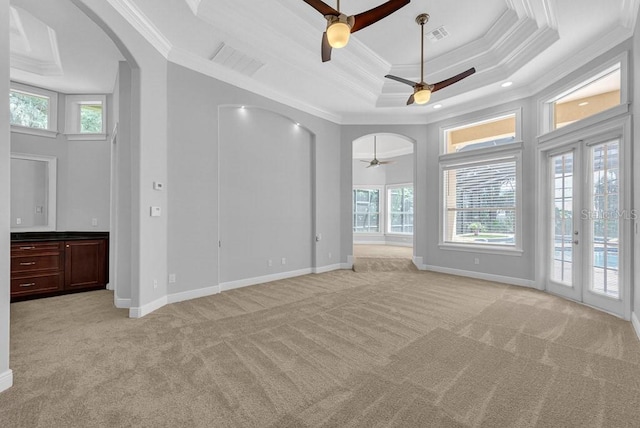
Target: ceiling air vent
(236, 60)
(437, 34)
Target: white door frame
(617, 128)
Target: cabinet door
(84, 264)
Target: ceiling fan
(422, 91)
(340, 26)
(374, 163)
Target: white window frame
(52, 112)
(546, 101)
(381, 208)
(507, 152)
(72, 117)
(390, 187)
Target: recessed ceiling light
(437, 106)
(506, 84)
(242, 107)
(584, 103)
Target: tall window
(366, 210)
(400, 212)
(480, 200)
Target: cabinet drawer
(36, 284)
(36, 263)
(36, 248)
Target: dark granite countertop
(56, 236)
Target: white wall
(6, 377)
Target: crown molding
(208, 68)
(136, 18)
(629, 15)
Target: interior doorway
(383, 200)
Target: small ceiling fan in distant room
(422, 91)
(374, 163)
(340, 26)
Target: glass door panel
(605, 219)
(562, 219)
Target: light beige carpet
(382, 251)
(340, 349)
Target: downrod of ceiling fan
(422, 19)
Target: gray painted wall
(636, 154)
(83, 183)
(193, 176)
(266, 194)
(5, 195)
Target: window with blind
(481, 198)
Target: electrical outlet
(155, 284)
(94, 222)
(476, 261)
(270, 263)
(329, 255)
(172, 278)
(284, 261)
(18, 220)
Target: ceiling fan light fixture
(338, 34)
(422, 96)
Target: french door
(585, 223)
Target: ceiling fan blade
(410, 100)
(371, 16)
(371, 165)
(326, 48)
(362, 160)
(452, 80)
(322, 7)
(401, 80)
(386, 162)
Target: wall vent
(235, 60)
(437, 34)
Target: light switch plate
(156, 211)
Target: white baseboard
(122, 303)
(141, 311)
(231, 285)
(479, 275)
(324, 269)
(6, 380)
(636, 323)
(369, 242)
(193, 294)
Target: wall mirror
(33, 193)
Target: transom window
(86, 117)
(487, 133)
(366, 210)
(400, 209)
(592, 96)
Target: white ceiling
(55, 46)
(273, 48)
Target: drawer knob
(31, 284)
(28, 264)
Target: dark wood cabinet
(84, 264)
(49, 268)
